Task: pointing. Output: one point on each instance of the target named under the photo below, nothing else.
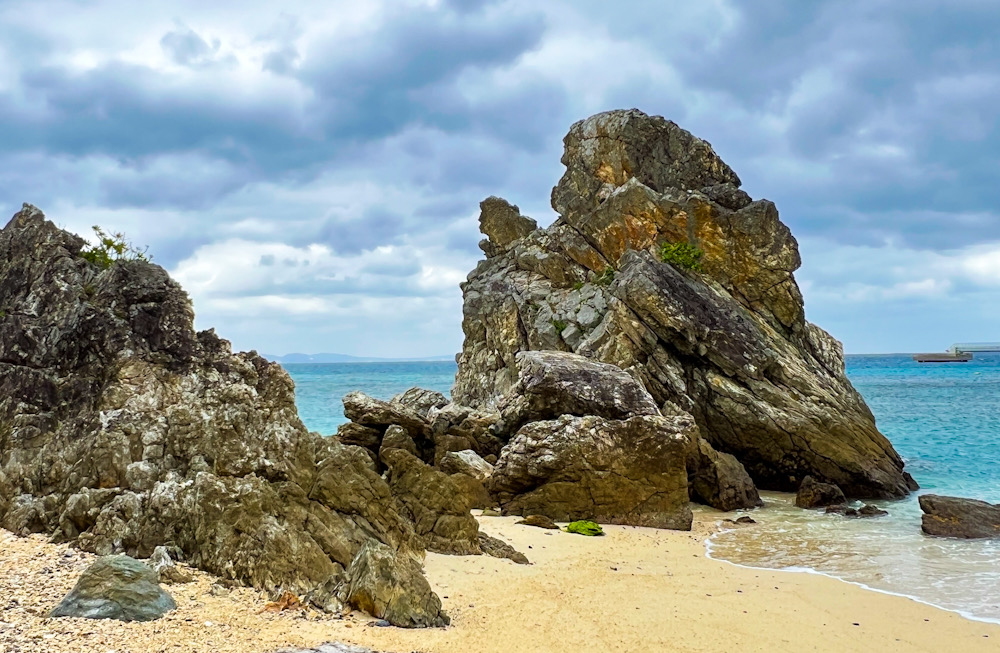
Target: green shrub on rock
(110, 248)
(584, 527)
(681, 255)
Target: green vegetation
(681, 255)
(578, 285)
(111, 248)
(559, 325)
(605, 278)
(584, 527)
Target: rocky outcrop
(390, 585)
(466, 462)
(957, 517)
(122, 429)
(165, 569)
(436, 505)
(720, 334)
(719, 480)
(116, 587)
(813, 494)
(612, 471)
(551, 384)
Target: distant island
(292, 359)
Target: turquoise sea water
(944, 419)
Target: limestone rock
(368, 411)
(359, 436)
(420, 401)
(551, 384)
(396, 437)
(613, 472)
(391, 586)
(116, 587)
(436, 505)
(814, 494)
(165, 569)
(499, 549)
(503, 223)
(460, 428)
(957, 517)
(121, 429)
(719, 480)
(727, 343)
(472, 490)
(466, 462)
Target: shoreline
(631, 590)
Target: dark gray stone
(957, 517)
(116, 587)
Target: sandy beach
(635, 589)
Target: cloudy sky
(311, 171)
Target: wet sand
(633, 590)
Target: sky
(311, 171)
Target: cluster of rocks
(599, 379)
(122, 430)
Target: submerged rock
(614, 472)
(391, 586)
(116, 587)
(957, 517)
(813, 494)
(121, 429)
(725, 340)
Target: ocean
(943, 419)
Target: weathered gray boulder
(116, 587)
(551, 384)
(957, 517)
(391, 586)
(613, 472)
(121, 429)
(436, 505)
(724, 340)
(166, 569)
(814, 494)
(460, 428)
(380, 415)
(719, 480)
(466, 462)
(420, 401)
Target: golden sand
(635, 589)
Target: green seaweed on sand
(584, 527)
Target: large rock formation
(122, 429)
(724, 339)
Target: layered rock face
(123, 429)
(725, 342)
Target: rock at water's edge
(957, 517)
(813, 494)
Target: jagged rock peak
(720, 335)
(123, 430)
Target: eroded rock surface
(957, 517)
(727, 343)
(814, 494)
(719, 480)
(611, 471)
(390, 585)
(116, 587)
(123, 430)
